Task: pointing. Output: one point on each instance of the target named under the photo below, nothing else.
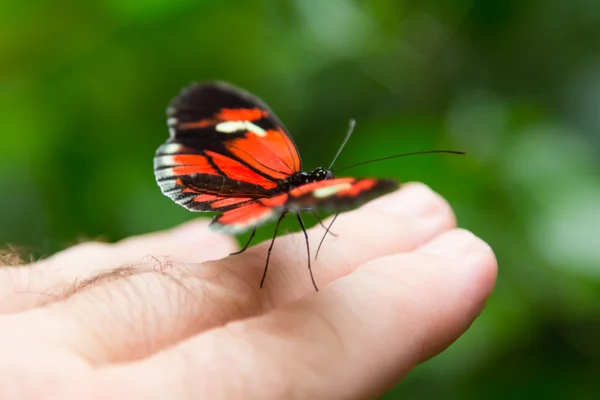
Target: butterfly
(228, 153)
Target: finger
(191, 242)
(354, 339)
(152, 310)
(24, 287)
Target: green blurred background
(515, 84)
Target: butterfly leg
(312, 278)
(246, 245)
(322, 224)
(262, 281)
(323, 238)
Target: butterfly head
(316, 175)
(320, 174)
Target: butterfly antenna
(351, 125)
(400, 155)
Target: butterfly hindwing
(333, 195)
(338, 194)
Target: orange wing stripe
(294, 161)
(188, 164)
(191, 169)
(249, 149)
(243, 214)
(226, 114)
(241, 114)
(283, 146)
(206, 197)
(275, 201)
(276, 152)
(239, 172)
(229, 201)
(204, 123)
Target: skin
(397, 285)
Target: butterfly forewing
(223, 142)
(242, 123)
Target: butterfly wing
(337, 195)
(332, 195)
(226, 148)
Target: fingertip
(473, 255)
(419, 202)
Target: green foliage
(84, 85)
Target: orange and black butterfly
(228, 153)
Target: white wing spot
(330, 190)
(172, 121)
(170, 148)
(236, 126)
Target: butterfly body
(228, 153)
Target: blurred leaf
(83, 91)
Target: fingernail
(458, 244)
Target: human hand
(98, 321)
